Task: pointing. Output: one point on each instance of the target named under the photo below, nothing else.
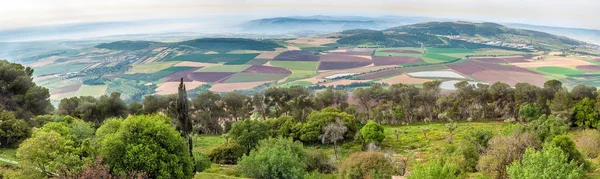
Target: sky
(560, 13)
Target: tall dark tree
(18, 92)
(183, 116)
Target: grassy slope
(94, 90)
(252, 77)
(151, 67)
(224, 68)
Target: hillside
(320, 23)
(202, 44)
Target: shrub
(469, 153)
(435, 169)
(584, 113)
(372, 132)
(248, 132)
(202, 161)
(530, 112)
(551, 162)
(588, 142)
(546, 127)
(479, 137)
(317, 120)
(320, 161)
(13, 131)
(567, 145)
(278, 158)
(227, 153)
(503, 150)
(363, 164)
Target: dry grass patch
(554, 61)
(192, 64)
(229, 87)
(404, 79)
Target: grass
(8, 153)
(436, 58)
(449, 50)
(231, 59)
(224, 68)
(57, 69)
(380, 52)
(204, 143)
(151, 67)
(301, 74)
(560, 70)
(253, 77)
(155, 76)
(293, 65)
(257, 61)
(91, 90)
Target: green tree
(364, 164)
(530, 112)
(317, 120)
(372, 132)
(135, 108)
(333, 133)
(567, 145)
(248, 132)
(12, 131)
(49, 154)
(208, 108)
(18, 92)
(561, 104)
(275, 158)
(584, 114)
(581, 92)
(546, 127)
(234, 103)
(549, 163)
(184, 122)
(149, 144)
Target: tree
(208, 108)
(18, 92)
(581, 92)
(317, 120)
(135, 108)
(503, 99)
(584, 114)
(435, 169)
(567, 145)
(248, 132)
(530, 112)
(364, 164)
(234, 103)
(183, 116)
(503, 151)
(258, 101)
(546, 127)
(228, 153)
(561, 104)
(109, 106)
(49, 154)
(372, 132)
(333, 133)
(549, 163)
(12, 131)
(277, 158)
(146, 143)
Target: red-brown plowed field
(503, 59)
(297, 55)
(210, 76)
(353, 53)
(402, 51)
(379, 75)
(387, 60)
(65, 89)
(491, 73)
(589, 68)
(342, 65)
(182, 74)
(267, 69)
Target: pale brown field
(44, 61)
(404, 79)
(270, 54)
(192, 64)
(313, 41)
(553, 61)
(339, 51)
(292, 48)
(171, 87)
(228, 87)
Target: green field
(224, 68)
(9, 154)
(296, 83)
(301, 74)
(231, 59)
(293, 65)
(95, 90)
(54, 69)
(380, 52)
(437, 58)
(152, 67)
(155, 76)
(449, 50)
(252, 77)
(257, 61)
(560, 71)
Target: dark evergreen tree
(183, 116)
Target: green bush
(584, 114)
(248, 132)
(275, 158)
(546, 127)
(320, 161)
(13, 131)
(567, 145)
(202, 161)
(469, 153)
(435, 169)
(479, 137)
(372, 132)
(588, 142)
(530, 112)
(317, 120)
(549, 163)
(227, 153)
(503, 150)
(363, 164)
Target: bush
(227, 153)
(248, 132)
(372, 132)
(275, 158)
(363, 164)
(551, 162)
(567, 145)
(546, 127)
(584, 113)
(202, 161)
(504, 150)
(317, 120)
(530, 112)
(435, 169)
(588, 142)
(320, 161)
(479, 137)
(469, 153)
(13, 131)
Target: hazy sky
(563, 13)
